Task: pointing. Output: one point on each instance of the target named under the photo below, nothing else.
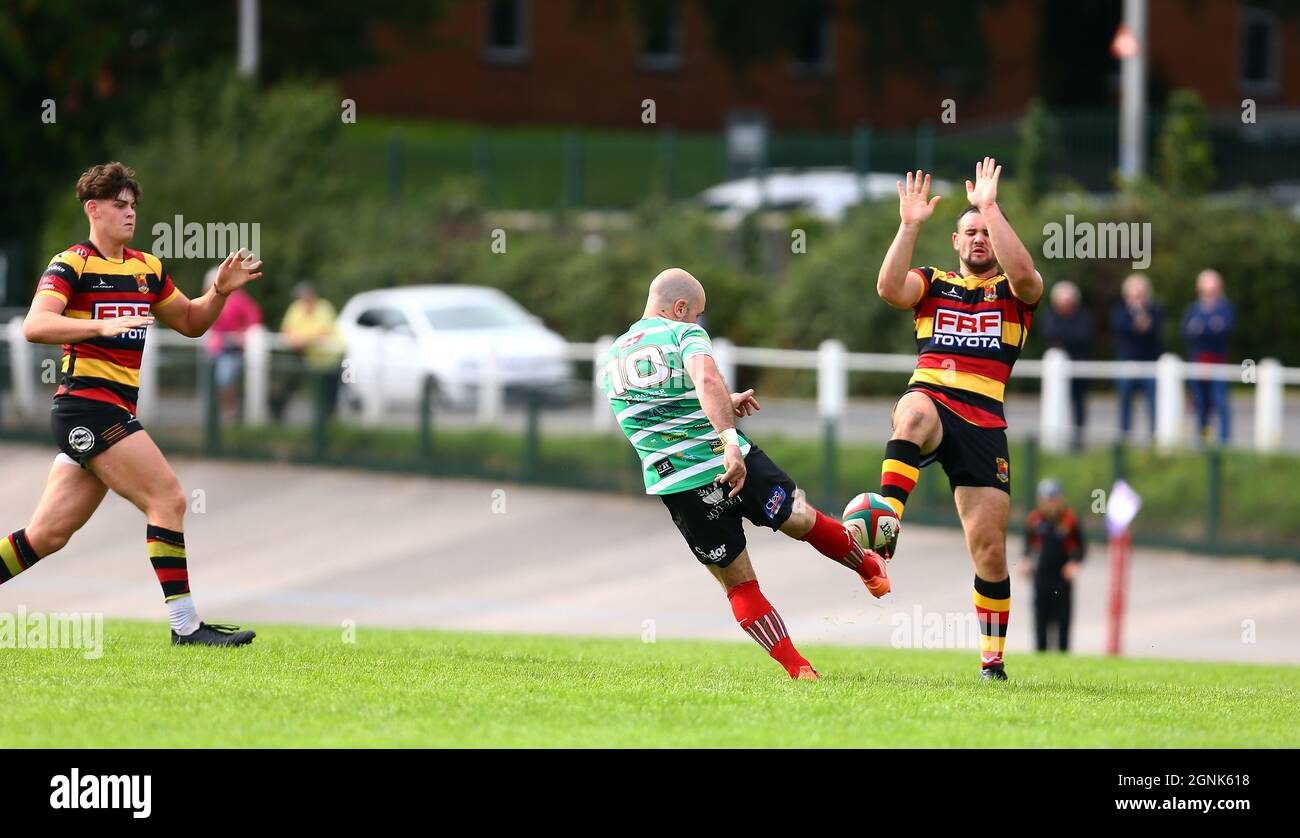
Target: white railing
(830, 361)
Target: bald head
(1065, 296)
(1136, 291)
(676, 295)
(1209, 285)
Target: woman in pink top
(225, 346)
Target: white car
(826, 193)
(399, 337)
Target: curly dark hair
(106, 182)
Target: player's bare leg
(137, 470)
(917, 433)
(758, 618)
(984, 514)
(916, 419)
(71, 496)
(830, 538)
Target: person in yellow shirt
(310, 331)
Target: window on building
(507, 30)
(1260, 48)
(661, 34)
(811, 38)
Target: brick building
(594, 62)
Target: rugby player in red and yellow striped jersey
(970, 327)
(98, 298)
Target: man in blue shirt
(1207, 326)
(1135, 321)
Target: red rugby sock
(830, 538)
(760, 621)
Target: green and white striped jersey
(654, 402)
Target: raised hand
(744, 404)
(237, 271)
(984, 191)
(914, 203)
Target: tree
(1184, 156)
(97, 62)
(1039, 151)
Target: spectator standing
(310, 331)
(1207, 327)
(1067, 325)
(1135, 322)
(1054, 547)
(225, 346)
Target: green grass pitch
(305, 687)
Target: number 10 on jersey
(644, 368)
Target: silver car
(461, 337)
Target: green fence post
(667, 162)
(483, 164)
(1117, 457)
(637, 467)
(925, 146)
(573, 169)
(6, 387)
(828, 464)
(1214, 462)
(424, 453)
(932, 494)
(396, 166)
(1031, 471)
(531, 434)
(861, 157)
(319, 429)
(212, 408)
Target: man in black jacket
(1067, 325)
(1054, 547)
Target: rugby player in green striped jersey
(672, 404)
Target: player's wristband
(729, 437)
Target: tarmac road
(321, 546)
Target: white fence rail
(830, 362)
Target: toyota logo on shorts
(80, 439)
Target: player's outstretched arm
(895, 284)
(193, 318)
(720, 409)
(1012, 254)
(46, 323)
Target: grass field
(305, 687)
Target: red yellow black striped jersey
(969, 333)
(94, 287)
